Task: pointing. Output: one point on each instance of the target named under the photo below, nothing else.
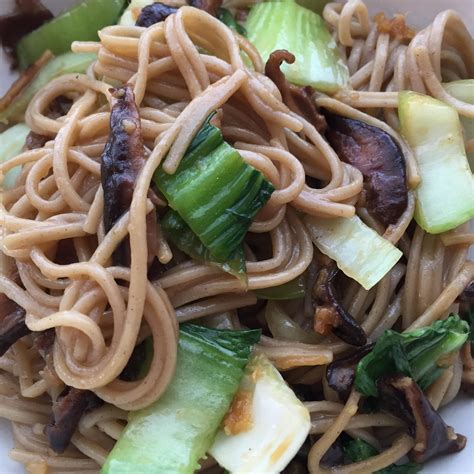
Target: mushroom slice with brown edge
(377, 156)
(12, 323)
(154, 13)
(122, 161)
(297, 99)
(329, 314)
(340, 373)
(67, 412)
(401, 396)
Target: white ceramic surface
(459, 414)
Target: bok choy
(12, 142)
(215, 193)
(445, 196)
(418, 354)
(178, 232)
(174, 433)
(464, 90)
(81, 23)
(358, 250)
(266, 425)
(287, 25)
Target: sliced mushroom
(12, 315)
(28, 15)
(377, 156)
(67, 412)
(209, 6)
(297, 99)
(154, 13)
(401, 396)
(329, 314)
(340, 374)
(122, 160)
(12, 323)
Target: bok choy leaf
(418, 354)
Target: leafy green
(236, 346)
(172, 434)
(228, 19)
(287, 25)
(357, 450)
(81, 23)
(287, 291)
(178, 232)
(407, 468)
(12, 142)
(215, 193)
(415, 354)
(445, 196)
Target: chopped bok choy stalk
(67, 63)
(282, 326)
(287, 291)
(132, 12)
(464, 90)
(81, 23)
(265, 426)
(178, 232)
(358, 250)
(215, 192)
(12, 142)
(287, 25)
(420, 354)
(445, 196)
(174, 433)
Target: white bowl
(458, 414)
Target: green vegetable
(279, 424)
(215, 192)
(178, 232)
(65, 64)
(464, 90)
(286, 25)
(282, 326)
(288, 291)
(228, 19)
(81, 23)
(174, 433)
(445, 196)
(417, 354)
(357, 450)
(358, 250)
(12, 142)
(407, 468)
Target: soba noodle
(100, 312)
